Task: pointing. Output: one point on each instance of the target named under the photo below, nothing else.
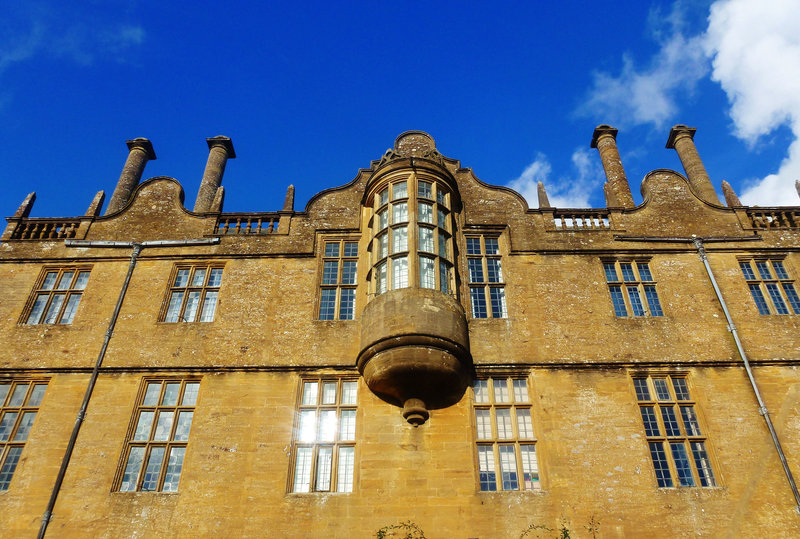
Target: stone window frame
(491, 474)
(339, 287)
(487, 296)
(326, 465)
(205, 289)
(640, 298)
(51, 312)
(677, 440)
(14, 427)
(392, 266)
(133, 476)
(767, 277)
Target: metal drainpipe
(137, 248)
(762, 408)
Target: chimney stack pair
(140, 151)
(681, 139)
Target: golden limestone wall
(561, 335)
(593, 461)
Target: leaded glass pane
(310, 393)
(504, 429)
(199, 277)
(747, 270)
(520, 390)
(329, 393)
(475, 266)
(171, 392)
(350, 248)
(330, 272)
(346, 465)
(758, 297)
(425, 212)
(49, 280)
(327, 426)
(681, 389)
(682, 466)
(37, 309)
(174, 308)
(481, 390)
(380, 278)
(524, 423)
(636, 300)
(444, 277)
(618, 301)
(424, 190)
(181, 278)
(7, 425)
(132, 467)
(55, 306)
(80, 282)
(174, 467)
(660, 464)
(209, 306)
(324, 462)
(18, 396)
(483, 423)
(530, 467)
(215, 278)
(35, 398)
(399, 212)
(69, 310)
(478, 299)
(670, 421)
(473, 246)
(627, 272)
(327, 304)
(791, 295)
(399, 190)
(151, 394)
(153, 469)
(652, 300)
(302, 470)
(493, 270)
(347, 304)
(144, 426)
(662, 391)
(399, 239)
(780, 271)
(703, 464)
(508, 467)
(763, 269)
(349, 389)
(427, 272)
(650, 422)
(163, 425)
(426, 239)
(644, 271)
(190, 394)
(399, 272)
(486, 471)
(777, 299)
(690, 422)
(332, 249)
(500, 388)
(65, 281)
(611, 272)
(347, 425)
(184, 425)
(349, 272)
(492, 246)
(642, 391)
(497, 296)
(192, 302)
(307, 430)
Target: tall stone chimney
(617, 190)
(220, 149)
(140, 150)
(681, 138)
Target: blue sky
(311, 92)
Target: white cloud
(648, 95)
(756, 59)
(572, 192)
(83, 36)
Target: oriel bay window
(324, 436)
(412, 236)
